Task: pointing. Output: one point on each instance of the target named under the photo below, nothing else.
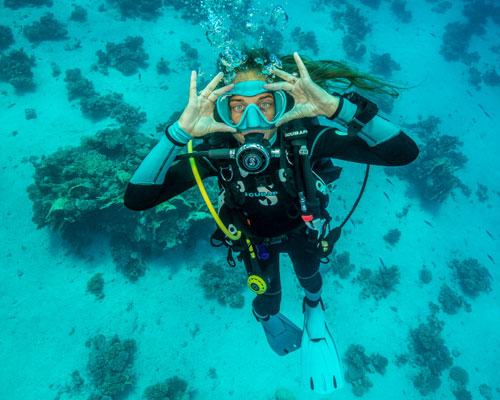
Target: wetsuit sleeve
(159, 178)
(400, 149)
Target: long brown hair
(326, 73)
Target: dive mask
(253, 118)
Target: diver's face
(265, 102)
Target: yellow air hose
(203, 192)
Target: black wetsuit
(264, 204)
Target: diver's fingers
(278, 86)
(300, 64)
(220, 127)
(216, 93)
(212, 85)
(284, 75)
(285, 118)
(192, 85)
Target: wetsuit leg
(268, 303)
(306, 264)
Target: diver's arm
(370, 138)
(154, 167)
(158, 178)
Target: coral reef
(430, 354)
(486, 391)
(425, 275)
(96, 106)
(459, 379)
(16, 4)
(378, 285)
(482, 192)
(433, 173)
(358, 364)
(143, 9)
(162, 67)
(458, 35)
(383, 64)
(127, 57)
(47, 29)
(392, 236)
(78, 191)
(173, 388)
(306, 40)
(459, 375)
(475, 77)
(472, 276)
(398, 7)
(455, 43)
(222, 282)
(491, 77)
(190, 57)
(6, 37)
(15, 68)
(341, 265)
(30, 113)
(371, 3)
(78, 86)
(79, 14)
(95, 285)
(356, 27)
(110, 366)
(450, 301)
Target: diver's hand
(197, 118)
(310, 99)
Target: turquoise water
(78, 268)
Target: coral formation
(190, 57)
(434, 171)
(455, 43)
(430, 354)
(143, 9)
(357, 28)
(6, 37)
(30, 113)
(162, 67)
(48, 28)
(78, 86)
(371, 3)
(459, 375)
(491, 77)
(472, 276)
(398, 7)
(425, 275)
(222, 282)
(383, 64)
(392, 236)
(450, 300)
(358, 364)
(173, 388)
(110, 366)
(78, 191)
(16, 4)
(79, 14)
(341, 265)
(15, 68)
(306, 40)
(96, 106)
(378, 285)
(127, 57)
(95, 285)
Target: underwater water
(101, 302)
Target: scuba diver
(260, 137)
